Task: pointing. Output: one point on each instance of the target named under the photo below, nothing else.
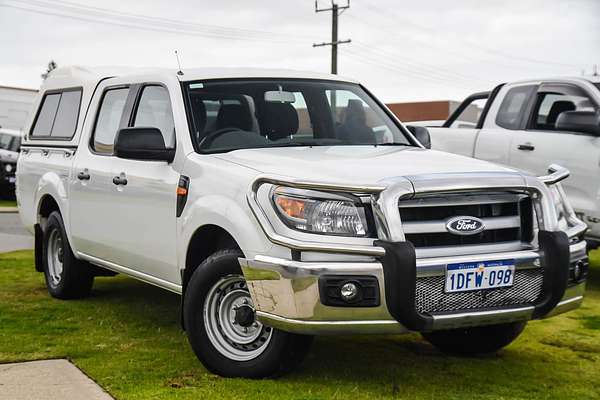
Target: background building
(433, 111)
(15, 106)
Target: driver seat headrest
(281, 120)
(234, 116)
(557, 108)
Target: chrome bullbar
(288, 294)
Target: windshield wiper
(391, 144)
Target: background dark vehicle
(7, 180)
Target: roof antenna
(180, 72)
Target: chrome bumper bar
(286, 295)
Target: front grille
(430, 296)
(429, 213)
(449, 239)
(507, 217)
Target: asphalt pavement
(12, 234)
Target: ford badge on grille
(465, 225)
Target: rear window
(58, 114)
(512, 109)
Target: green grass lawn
(127, 338)
(8, 203)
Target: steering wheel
(208, 139)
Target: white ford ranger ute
(283, 205)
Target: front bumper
(287, 296)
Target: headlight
(319, 212)
(8, 167)
(559, 207)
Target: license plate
(12, 179)
(463, 277)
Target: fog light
(349, 291)
(577, 271)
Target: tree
(51, 66)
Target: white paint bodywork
(133, 229)
(577, 152)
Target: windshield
(240, 114)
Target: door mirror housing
(579, 121)
(422, 135)
(142, 143)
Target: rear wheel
(222, 327)
(66, 276)
(476, 340)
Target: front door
(495, 138)
(540, 144)
(145, 195)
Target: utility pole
(336, 11)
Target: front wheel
(476, 340)
(222, 327)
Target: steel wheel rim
(55, 257)
(234, 341)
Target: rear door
(540, 144)
(92, 192)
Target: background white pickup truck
(531, 124)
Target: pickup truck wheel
(66, 276)
(477, 340)
(223, 331)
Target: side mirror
(579, 121)
(422, 135)
(142, 143)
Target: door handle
(120, 180)
(83, 176)
(526, 147)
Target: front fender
(222, 211)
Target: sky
(401, 50)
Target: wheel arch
(45, 206)
(205, 240)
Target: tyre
(222, 329)
(66, 276)
(476, 340)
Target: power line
(398, 69)
(390, 13)
(336, 11)
(144, 22)
(437, 48)
(389, 57)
